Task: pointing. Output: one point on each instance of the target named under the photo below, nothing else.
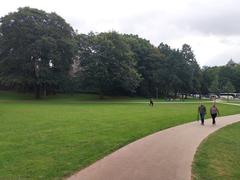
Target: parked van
(227, 95)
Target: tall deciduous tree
(36, 49)
(177, 70)
(149, 64)
(107, 64)
(195, 71)
(228, 87)
(236, 78)
(214, 87)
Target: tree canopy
(107, 64)
(36, 49)
(40, 52)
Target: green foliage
(195, 71)
(104, 66)
(149, 64)
(222, 79)
(36, 49)
(214, 87)
(39, 50)
(228, 88)
(176, 70)
(107, 64)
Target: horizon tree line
(41, 53)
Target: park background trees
(36, 50)
(221, 79)
(41, 53)
(106, 64)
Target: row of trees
(221, 79)
(116, 63)
(40, 52)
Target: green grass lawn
(75, 98)
(235, 101)
(218, 157)
(54, 137)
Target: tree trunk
(44, 90)
(37, 91)
(101, 95)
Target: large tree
(214, 87)
(176, 70)
(216, 78)
(149, 65)
(229, 73)
(195, 71)
(107, 64)
(36, 49)
(236, 78)
(228, 88)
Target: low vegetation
(218, 156)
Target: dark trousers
(213, 118)
(202, 118)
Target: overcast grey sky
(211, 27)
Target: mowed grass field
(55, 137)
(235, 101)
(218, 156)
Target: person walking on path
(214, 112)
(202, 112)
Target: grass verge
(218, 157)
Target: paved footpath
(165, 155)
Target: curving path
(165, 155)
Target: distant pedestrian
(151, 102)
(214, 112)
(202, 112)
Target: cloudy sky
(211, 27)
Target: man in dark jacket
(151, 102)
(202, 112)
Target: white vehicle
(226, 97)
